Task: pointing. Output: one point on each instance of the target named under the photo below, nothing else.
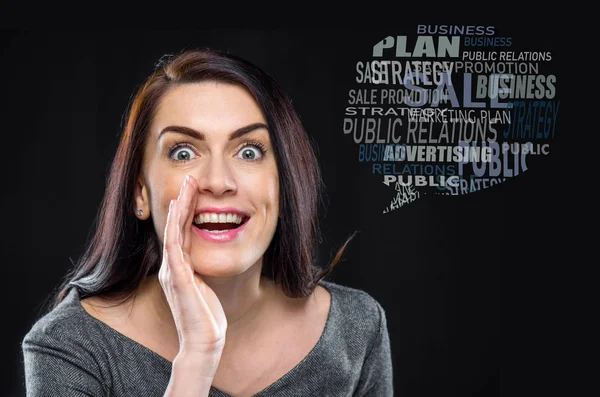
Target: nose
(215, 177)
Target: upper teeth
(217, 218)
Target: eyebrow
(200, 136)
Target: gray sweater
(68, 353)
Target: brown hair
(124, 250)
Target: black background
(472, 285)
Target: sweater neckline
(310, 360)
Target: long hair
(124, 250)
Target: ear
(142, 200)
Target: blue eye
(181, 152)
(252, 151)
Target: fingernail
(170, 205)
(185, 181)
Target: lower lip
(219, 237)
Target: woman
(201, 276)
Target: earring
(140, 212)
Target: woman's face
(199, 131)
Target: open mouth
(219, 224)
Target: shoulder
(356, 310)
(349, 298)
(65, 325)
(362, 338)
(60, 353)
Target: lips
(220, 236)
(219, 224)
(220, 210)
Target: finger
(183, 207)
(172, 249)
(184, 199)
(164, 273)
(191, 197)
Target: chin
(220, 271)
(217, 266)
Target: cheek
(162, 193)
(269, 188)
(262, 191)
(274, 194)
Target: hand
(198, 314)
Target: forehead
(207, 106)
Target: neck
(244, 298)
